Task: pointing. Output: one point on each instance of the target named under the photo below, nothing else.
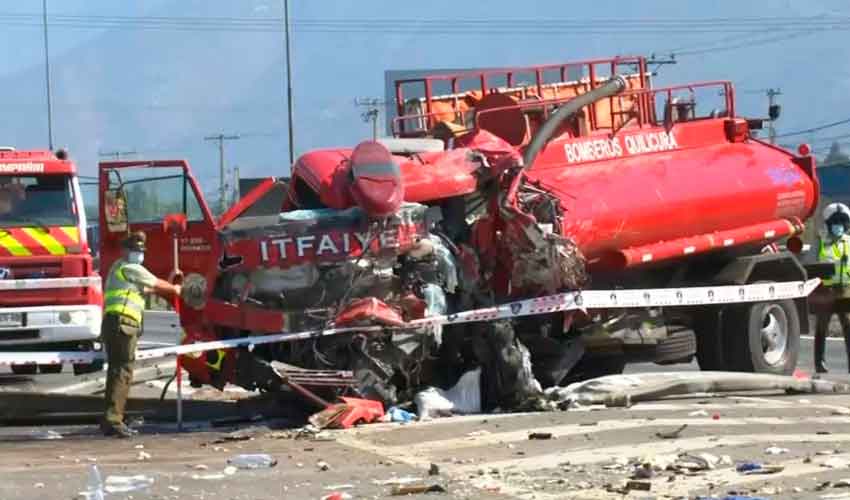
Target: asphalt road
(592, 453)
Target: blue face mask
(837, 230)
(135, 257)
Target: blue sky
(159, 90)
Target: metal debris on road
(252, 461)
(671, 434)
(415, 489)
(540, 435)
(775, 450)
(127, 484)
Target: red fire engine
(500, 186)
(50, 294)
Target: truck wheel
(763, 337)
(50, 368)
(679, 347)
(708, 325)
(28, 369)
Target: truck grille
(18, 334)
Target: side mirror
(115, 210)
(774, 111)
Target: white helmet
(834, 208)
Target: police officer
(124, 302)
(834, 247)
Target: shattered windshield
(45, 200)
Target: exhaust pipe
(613, 86)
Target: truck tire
(708, 325)
(679, 347)
(27, 369)
(50, 368)
(763, 337)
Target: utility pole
(221, 138)
(372, 112)
(288, 84)
(236, 193)
(116, 154)
(771, 102)
(47, 77)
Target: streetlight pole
(47, 77)
(288, 83)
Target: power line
(815, 129)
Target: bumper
(52, 324)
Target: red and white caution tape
(581, 300)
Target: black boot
(820, 348)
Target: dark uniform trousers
(120, 337)
(822, 329)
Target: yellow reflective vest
(123, 297)
(833, 252)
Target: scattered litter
(841, 410)
(733, 497)
(38, 485)
(143, 456)
(463, 398)
(413, 489)
(230, 470)
(397, 481)
(210, 477)
(94, 485)
(540, 435)
(340, 487)
(638, 486)
(174, 488)
(47, 435)
(698, 413)
(775, 450)
(126, 484)
(252, 461)
(842, 483)
(139, 447)
(715, 416)
(396, 414)
(672, 434)
(750, 468)
(836, 463)
(337, 495)
(826, 452)
(200, 467)
(322, 465)
(434, 470)
(478, 433)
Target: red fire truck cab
(50, 294)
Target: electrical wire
(814, 129)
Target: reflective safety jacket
(833, 251)
(122, 296)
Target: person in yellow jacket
(834, 247)
(123, 306)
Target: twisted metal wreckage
(517, 191)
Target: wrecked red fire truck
(499, 185)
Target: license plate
(11, 319)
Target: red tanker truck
(500, 190)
